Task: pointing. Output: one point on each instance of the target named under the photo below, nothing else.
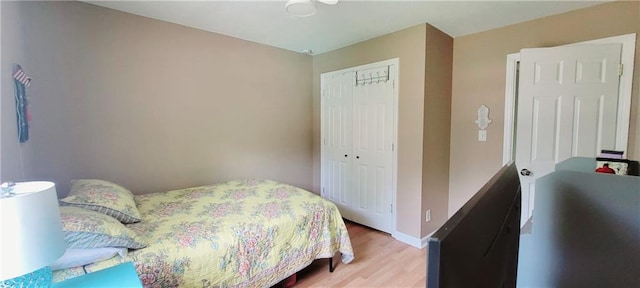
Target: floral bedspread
(246, 233)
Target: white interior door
(372, 149)
(337, 119)
(567, 107)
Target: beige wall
(437, 120)
(152, 105)
(409, 46)
(12, 167)
(479, 78)
(155, 106)
(425, 55)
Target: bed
(245, 233)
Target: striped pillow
(105, 197)
(89, 229)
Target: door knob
(525, 172)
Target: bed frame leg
(331, 268)
(331, 265)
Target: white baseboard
(413, 241)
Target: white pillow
(77, 257)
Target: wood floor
(380, 261)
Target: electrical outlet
(427, 215)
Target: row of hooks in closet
(364, 78)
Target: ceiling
(343, 24)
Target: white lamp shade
(30, 228)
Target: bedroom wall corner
(156, 106)
(437, 124)
(15, 158)
(409, 46)
(479, 78)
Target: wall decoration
(22, 81)
(483, 117)
(483, 122)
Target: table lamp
(31, 234)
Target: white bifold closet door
(357, 144)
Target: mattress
(247, 233)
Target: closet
(358, 134)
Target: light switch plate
(482, 135)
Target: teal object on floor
(36, 279)
(122, 275)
